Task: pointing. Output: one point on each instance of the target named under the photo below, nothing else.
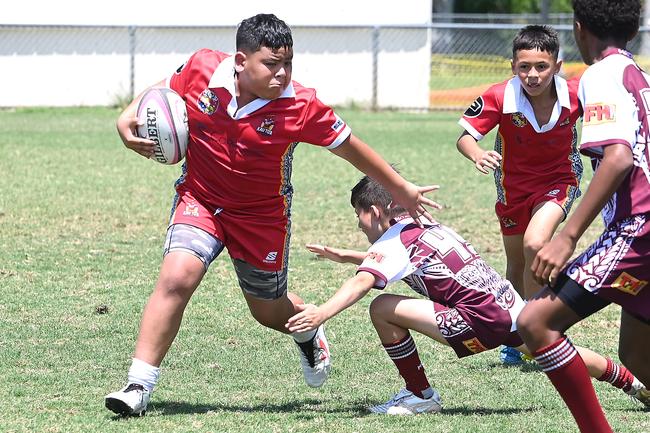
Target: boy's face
(370, 223)
(266, 73)
(536, 70)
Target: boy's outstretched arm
(338, 255)
(126, 127)
(616, 164)
(368, 161)
(312, 316)
(482, 159)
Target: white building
(69, 53)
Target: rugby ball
(163, 119)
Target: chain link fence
(443, 65)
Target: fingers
(315, 248)
(428, 188)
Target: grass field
(82, 221)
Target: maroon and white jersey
(615, 95)
(240, 158)
(437, 263)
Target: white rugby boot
(639, 392)
(315, 359)
(407, 403)
(131, 400)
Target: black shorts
(581, 301)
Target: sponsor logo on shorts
(377, 257)
(519, 120)
(475, 109)
(553, 193)
(267, 126)
(628, 284)
(271, 257)
(507, 222)
(474, 345)
(338, 124)
(599, 113)
(207, 102)
(191, 210)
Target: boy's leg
(541, 325)
(188, 252)
(271, 305)
(636, 355)
(545, 219)
(515, 261)
(393, 316)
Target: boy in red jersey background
(616, 267)
(537, 167)
(467, 305)
(245, 118)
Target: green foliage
(82, 222)
(509, 6)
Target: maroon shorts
(514, 218)
(257, 239)
(468, 337)
(617, 266)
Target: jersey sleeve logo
(376, 257)
(338, 124)
(599, 113)
(180, 68)
(475, 109)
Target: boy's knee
(527, 324)
(378, 306)
(532, 244)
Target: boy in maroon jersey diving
(245, 118)
(470, 307)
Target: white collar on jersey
(515, 101)
(224, 77)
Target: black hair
(617, 19)
(263, 30)
(536, 37)
(368, 192)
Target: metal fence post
(132, 62)
(375, 57)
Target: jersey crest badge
(475, 109)
(628, 284)
(266, 127)
(565, 122)
(207, 102)
(519, 120)
(599, 113)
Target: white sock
(143, 374)
(303, 337)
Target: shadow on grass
(311, 406)
(477, 410)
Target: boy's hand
(309, 318)
(413, 200)
(126, 127)
(551, 259)
(338, 255)
(488, 159)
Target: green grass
(82, 221)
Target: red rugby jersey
(240, 158)
(534, 157)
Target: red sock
(406, 359)
(617, 375)
(568, 374)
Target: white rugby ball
(163, 116)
